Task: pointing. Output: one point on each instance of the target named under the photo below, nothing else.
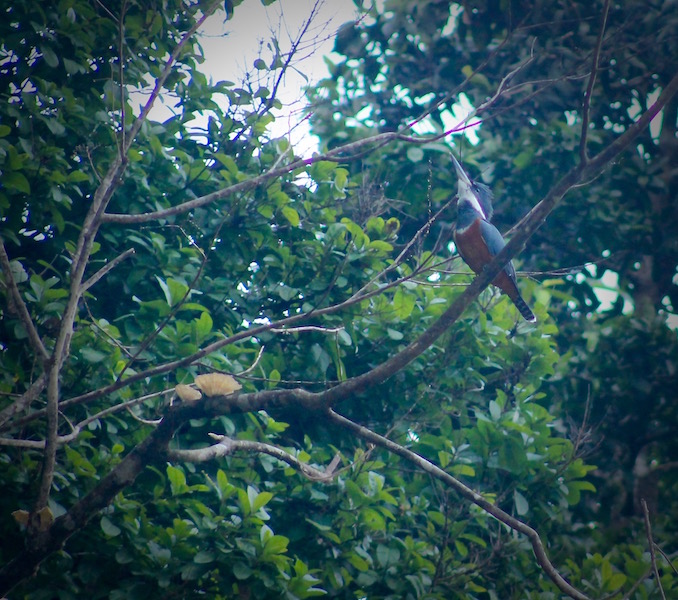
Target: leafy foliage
(138, 254)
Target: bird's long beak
(460, 171)
(465, 192)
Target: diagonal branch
(106, 269)
(465, 492)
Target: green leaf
(415, 154)
(291, 215)
(203, 326)
(461, 548)
(358, 562)
(258, 500)
(109, 528)
(273, 378)
(92, 356)
(521, 503)
(403, 304)
(177, 480)
(203, 557)
(276, 544)
(242, 571)
(16, 181)
(50, 56)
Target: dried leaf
(45, 518)
(216, 384)
(21, 517)
(186, 393)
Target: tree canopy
(231, 370)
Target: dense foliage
(138, 254)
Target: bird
(478, 241)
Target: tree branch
(83, 251)
(527, 226)
(586, 109)
(77, 429)
(188, 360)
(106, 269)
(227, 446)
(465, 492)
(651, 547)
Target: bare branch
(160, 81)
(255, 363)
(227, 446)
(249, 184)
(667, 558)
(78, 428)
(651, 547)
(253, 332)
(469, 494)
(106, 269)
(586, 108)
(302, 328)
(529, 224)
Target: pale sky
(231, 48)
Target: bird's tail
(524, 309)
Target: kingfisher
(478, 241)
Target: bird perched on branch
(478, 241)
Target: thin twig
(302, 328)
(160, 81)
(173, 311)
(121, 73)
(106, 268)
(77, 429)
(586, 109)
(255, 363)
(651, 546)
(405, 251)
(667, 558)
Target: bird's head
(476, 195)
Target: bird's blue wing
(495, 243)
